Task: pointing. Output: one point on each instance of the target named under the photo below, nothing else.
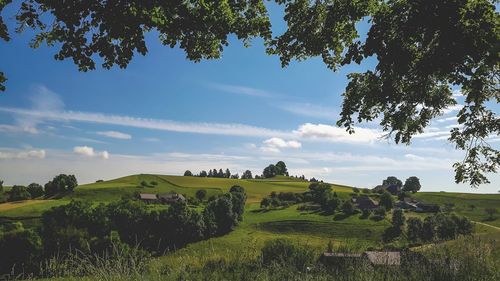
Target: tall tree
(412, 184)
(227, 174)
(386, 200)
(188, 173)
(422, 48)
(270, 171)
(246, 175)
(281, 168)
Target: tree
(355, 190)
(203, 174)
(281, 168)
(201, 194)
(408, 87)
(491, 213)
(270, 171)
(188, 173)
(1, 185)
(347, 207)
(61, 183)
(398, 219)
(265, 202)
(35, 190)
(414, 229)
(412, 184)
(227, 174)
(246, 175)
(321, 192)
(20, 251)
(392, 184)
(386, 200)
(18, 193)
(219, 216)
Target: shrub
(35, 190)
(18, 193)
(286, 253)
(20, 250)
(201, 194)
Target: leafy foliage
(35, 190)
(18, 193)
(61, 183)
(412, 184)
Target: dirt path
(485, 224)
(14, 205)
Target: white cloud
(42, 99)
(153, 124)
(447, 119)
(452, 108)
(310, 110)
(90, 152)
(281, 143)
(22, 154)
(336, 134)
(243, 90)
(115, 135)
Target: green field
(258, 225)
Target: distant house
(407, 204)
(168, 198)
(427, 208)
(148, 198)
(374, 258)
(383, 258)
(364, 203)
(340, 259)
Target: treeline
(272, 170)
(60, 184)
(80, 226)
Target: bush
(35, 190)
(18, 193)
(286, 253)
(20, 251)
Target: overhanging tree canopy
(423, 47)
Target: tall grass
(466, 259)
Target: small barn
(365, 203)
(172, 197)
(148, 198)
(383, 258)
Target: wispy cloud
(115, 135)
(153, 124)
(90, 152)
(243, 90)
(22, 154)
(310, 110)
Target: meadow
(309, 228)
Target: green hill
(258, 226)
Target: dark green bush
(286, 253)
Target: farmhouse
(171, 197)
(365, 203)
(148, 198)
(383, 258)
(407, 204)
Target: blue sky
(165, 114)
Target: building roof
(171, 196)
(384, 258)
(365, 202)
(147, 196)
(342, 255)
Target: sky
(164, 114)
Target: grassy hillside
(258, 226)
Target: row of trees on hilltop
(278, 169)
(59, 184)
(394, 185)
